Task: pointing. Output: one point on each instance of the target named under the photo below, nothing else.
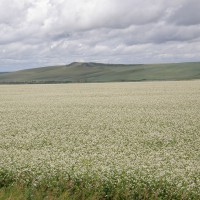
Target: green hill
(97, 72)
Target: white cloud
(47, 32)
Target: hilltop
(98, 72)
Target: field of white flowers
(144, 133)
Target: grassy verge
(88, 188)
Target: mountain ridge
(100, 72)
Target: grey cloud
(166, 33)
(47, 32)
(94, 14)
(188, 13)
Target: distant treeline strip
(63, 82)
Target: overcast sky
(35, 33)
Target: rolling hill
(98, 72)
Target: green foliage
(97, 189)
(6, 178)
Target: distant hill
(98, 72)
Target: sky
(37, 33)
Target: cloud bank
(36, 33)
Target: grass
(94, 190)
(96, 72)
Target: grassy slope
(96, 72)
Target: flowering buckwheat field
(136, 138)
